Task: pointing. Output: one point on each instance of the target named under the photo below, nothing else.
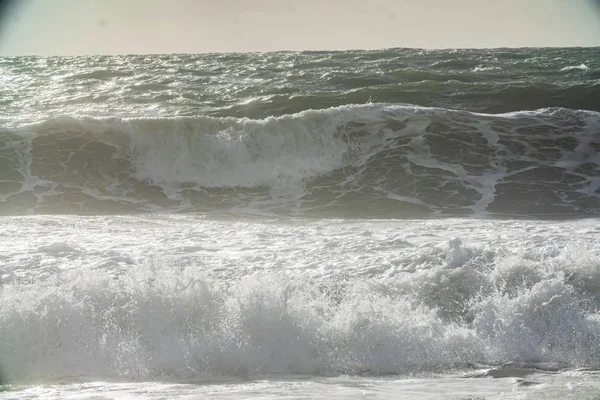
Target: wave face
(375, 160)
(389, 133)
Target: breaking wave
(368, 160)
(462, 307)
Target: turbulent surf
(376, 160)
(179, 225)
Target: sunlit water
(284, 225)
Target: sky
(73, 27)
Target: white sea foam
(315, 298)
(229, 152)
(582, 67)
(483, 68)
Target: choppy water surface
(398, 223)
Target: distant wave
(466, 93)
(575, 67)
(371, 160)
(276, 84)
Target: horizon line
(303, 51)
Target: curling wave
(375, 160)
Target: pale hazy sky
(65, 27)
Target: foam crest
(160, 319)
(582, 67)
(155, 324)
(229, 152)
(375, 159)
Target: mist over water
(350, 219)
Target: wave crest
(399, 160)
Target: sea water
(362, 224)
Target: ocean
(396, 223)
